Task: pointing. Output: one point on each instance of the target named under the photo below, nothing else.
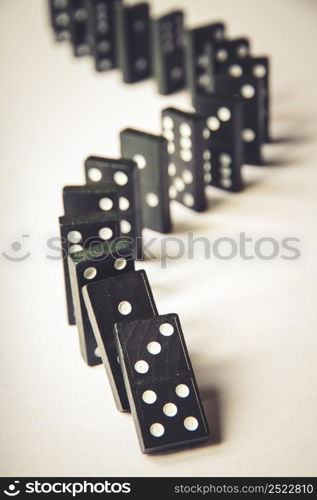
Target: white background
(250, 325)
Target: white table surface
(250, 325)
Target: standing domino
(79, 27)
(124, 175)
(258, 67)
(60, 19)
(168, 52)
(199, 58)
(251, 90)
(227, 51)
(80, 200)
(101, 26)
(187, 184)
(133, 41)
(150, 152)
(224, 155)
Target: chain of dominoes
(144, 353)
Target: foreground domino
(160, 383)
(127, 296)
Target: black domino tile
(224, 155)
(87, 266)
(133, 41)
(126, 296)
(168, 52)
(124, 174)
(258, 67)
(60, 19)
(160, 383)
(251, 90)
(199, 57)
(79, 27)
(101, 30)
(151, 154)
(187, 184)
(78, 233)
